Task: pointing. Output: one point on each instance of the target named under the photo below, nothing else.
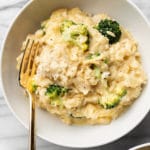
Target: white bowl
(49, 127)
(145, 146)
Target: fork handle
(32, 145)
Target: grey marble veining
(13, 136)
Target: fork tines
(28, 67)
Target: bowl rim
(135, 7)
(140, 146)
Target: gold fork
(27, 71)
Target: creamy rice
(65, 64)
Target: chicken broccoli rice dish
(88, 69)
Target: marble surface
(13, 136)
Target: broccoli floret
(93, 56)
(113, 99)
(110, 29)
(54, 91)
(75, 33)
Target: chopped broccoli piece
(93, 56)
(84, 46)
(66, 25)
(31, 86)
(121, 92)
(43, 27)
(106, 60)
(110, 29)
(113, 99)
(75, 33)
(54, 91)
(44, 24)
(34, 87)
(111, 102)
(56, 102)
(96, 70)
(75, 117)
